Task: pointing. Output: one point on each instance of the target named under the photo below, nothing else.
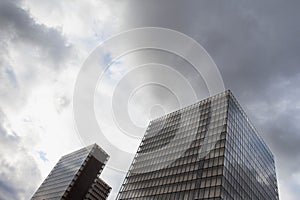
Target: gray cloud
(256, 46)
(19, 27)
(25, 44)
(28, 52)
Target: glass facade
(249, 167)
(195, 153)
(73, 175)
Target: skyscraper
(208, 150)
(75, 177)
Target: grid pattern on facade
(249, 168)
(180, 153)
(68, 172)
(208, 150)
(98, 191)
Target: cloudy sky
(43, 45)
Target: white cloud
(41, 53)
(44, 43)
(17, 163)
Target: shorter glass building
(75, 177)
(208, 150)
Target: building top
(226, 93)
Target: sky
(45, 44)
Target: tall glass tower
(75, 177)
(208, 150)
